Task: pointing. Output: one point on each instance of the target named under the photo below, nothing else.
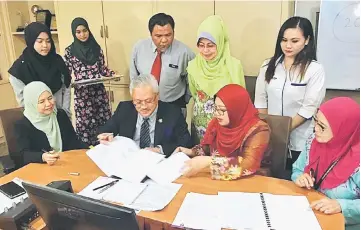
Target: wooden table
(77, 161)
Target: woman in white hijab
(45, 131)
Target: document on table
(199, 211)
(155, 197)
(266, 211)
(169, 169)
(147, 196)
(7, 203)
(285, 212)
(123, 158)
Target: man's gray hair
(144, 80)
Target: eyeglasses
(208, 46)
(139, 103)
(317, 122)
(218, 111)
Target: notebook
(266, 211)
(124, 159)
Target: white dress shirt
(286, 95)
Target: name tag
(173, 66)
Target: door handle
(106, 32)
(101, 32)
(111, 95)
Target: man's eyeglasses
(219, 111)
(149, 101)
(317, 122)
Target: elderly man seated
(151, 123)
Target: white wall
(308, 9)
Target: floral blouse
(242, 162)
(202, 113)
(347, 194)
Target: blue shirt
(347, 194)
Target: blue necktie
(144, 134)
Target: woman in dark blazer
(45, 131)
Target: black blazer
(170, 133)
(31, 141)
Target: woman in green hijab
(211, 70)
(44, 131)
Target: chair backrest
(251, 86)
(280, 135)
(8, 118)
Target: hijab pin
(160, 120)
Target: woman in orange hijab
(235, 139)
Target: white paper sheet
(199, 211)
(241, 211)
(88, 190)
(124, 192)
(284, 211)
(136, 166)
(123, 158)
(169, 169)
(155, 197)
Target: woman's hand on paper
(50, 157)
(305, 181)
(105, 138)
(327, 206)
(188, 152)
(196, 165)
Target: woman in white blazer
(291, 83)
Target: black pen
(108, 184)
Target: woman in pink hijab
(331, 160)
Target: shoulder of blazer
(169, 110)
(125, 106)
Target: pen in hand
(312, 174)
(51, 152)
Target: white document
(123, 158)
(7, 203)
(241, 211)
(169, 169)
(124, 192)
(284, 211)
(136, 166)
(88, 190)
(147, 196)
(155, 197)
(246, 211)
(199, 211)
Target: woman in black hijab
(85, 59)
(40, 62)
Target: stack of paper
(7, 203)
(123, 158)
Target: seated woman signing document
(235, 139)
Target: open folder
(124, 159)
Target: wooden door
(253, 27)
(126, 22)
(187, 16)
(91, 11)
